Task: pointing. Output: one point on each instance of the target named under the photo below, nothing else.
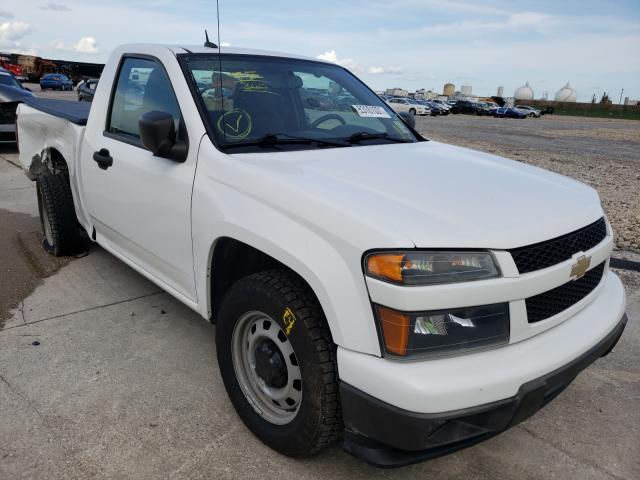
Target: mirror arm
(178, 152)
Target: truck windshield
(254, 103)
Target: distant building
(423, 94)
(500, 92)
(525, 92)
(566, 94)
(397, 92)
(449, 90)
(465, 90)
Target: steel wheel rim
(278, 406)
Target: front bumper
(387, 436)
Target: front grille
(550, 252)
(552, 302)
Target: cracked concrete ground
(124, 384)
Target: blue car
(55, 81)
(505, 112)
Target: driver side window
(142, 86)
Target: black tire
(60, 228)
(318, 421)
(412, 111)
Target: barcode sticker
(370, 111)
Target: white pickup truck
(408, 297)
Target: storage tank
(525, 92)
(500, 91)
(566, 94)
(449, 89)
(465, 90)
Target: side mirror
(408, 119)
(158, 135)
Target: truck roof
(177, 49)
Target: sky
(412, 44)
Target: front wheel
(412, 111)
(278, 362)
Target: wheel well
(233, 260)
(50, 160)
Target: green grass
(627, 112)
(599, 113)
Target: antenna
(207, 43)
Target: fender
(329, 264)
(43, 136)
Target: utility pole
(621, 92)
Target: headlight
(444, 331)
(431, 267)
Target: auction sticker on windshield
(370, 111)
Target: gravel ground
(603, 153)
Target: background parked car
(9, 79)
(86, 90)
(12, 92)
(465, 106)
(405, 105)
(530, 111)
(508, 112)
(436, 108)
(55, 81)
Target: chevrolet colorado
(409, 297)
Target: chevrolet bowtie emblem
(579, 268)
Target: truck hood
(433, 194)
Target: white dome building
(525, 92)
(566, 94)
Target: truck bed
(75, 112)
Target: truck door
(139, 204)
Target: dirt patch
(24, 263)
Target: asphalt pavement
(102, 375)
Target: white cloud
(12, 32)
(56, 7)
(384, 70)
(332, 56)
(84, 45)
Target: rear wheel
(60, 229)
(412, 111)
(277, 361)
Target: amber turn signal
(395, 330)
(386, 265)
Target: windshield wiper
(273, 139)
(359, 136)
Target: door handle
(103, 159)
